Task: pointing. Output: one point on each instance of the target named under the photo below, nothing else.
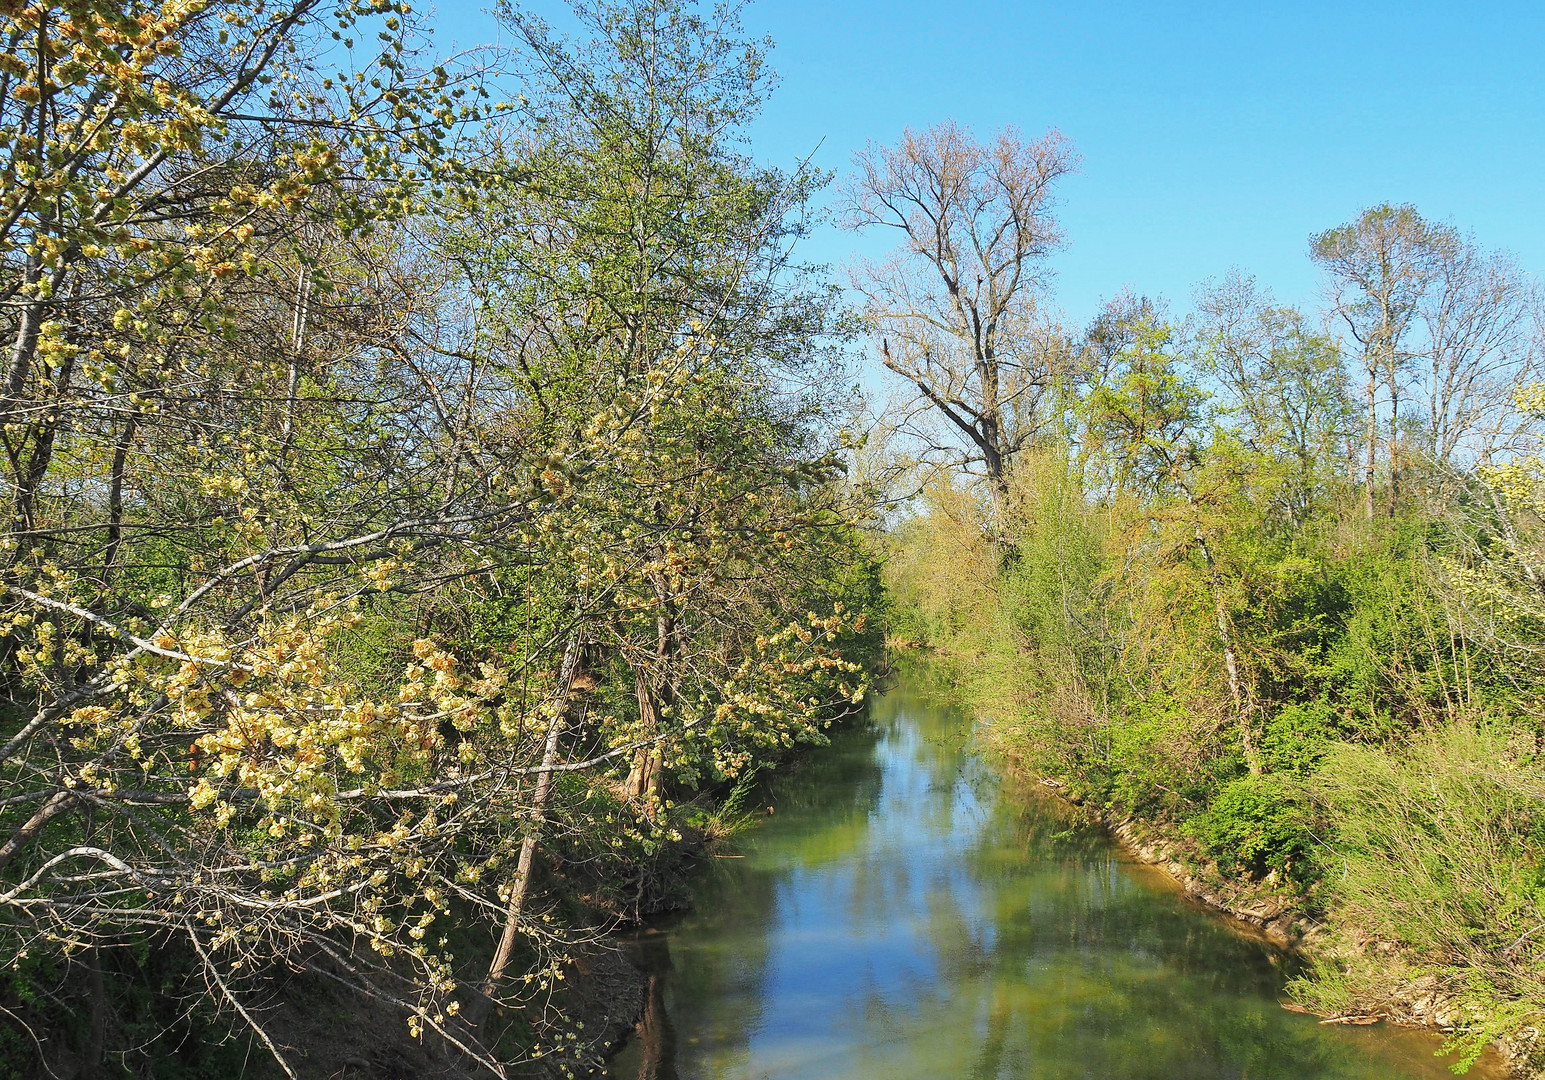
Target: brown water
(903, 914)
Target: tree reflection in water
(906, 915)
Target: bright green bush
(1297, 736)
(1256, 825)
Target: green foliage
(1297, 736)
(1256, 825)
(396, 546)
(1436, 849)
(1190, 615)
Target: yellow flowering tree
(310, 534)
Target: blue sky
(1213, 135)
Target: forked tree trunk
(643, 783)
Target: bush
(1436, 849)
(1256, 825)
(1297, 736)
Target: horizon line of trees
(1434, 336)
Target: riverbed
(903, 913)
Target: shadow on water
(904, 914)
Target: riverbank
(1278, 917)
(1419, 1002)
(906, 913)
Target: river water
(903, 914)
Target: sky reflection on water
(903, 915)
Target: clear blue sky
(1213, 135)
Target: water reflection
(902, 915)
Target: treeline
(421, 481)
(1267, 579)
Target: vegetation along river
(905, 914)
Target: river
(904, 914)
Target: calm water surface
(904, 915)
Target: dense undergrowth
(1381, 769)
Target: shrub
(1256, 825)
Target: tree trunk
(1372, 432)
(1230, 659)
(521, 885)
(115, 499)
(1394, 444)
(643, 783)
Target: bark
(115, 500)
(1394, 443)
(643, 783)
(521, 886)
(1372, 434)
(297, 344)
(1230, 659)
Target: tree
(314, 521)
(1380, 267)
(1284, 387)
(1434, 318)
(1150, 419)
(1481, 321)
(955, 309)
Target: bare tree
(954, 308)
(1380, 268)
(1283, 384)
(1481, 323)
(1438, 321)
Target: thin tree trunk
(1394, 443)
(115, 500)
(297, 343)
(25, 345)
(521, 886)
(1230, 659)
(1372, 439)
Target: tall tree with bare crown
(954, 307)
